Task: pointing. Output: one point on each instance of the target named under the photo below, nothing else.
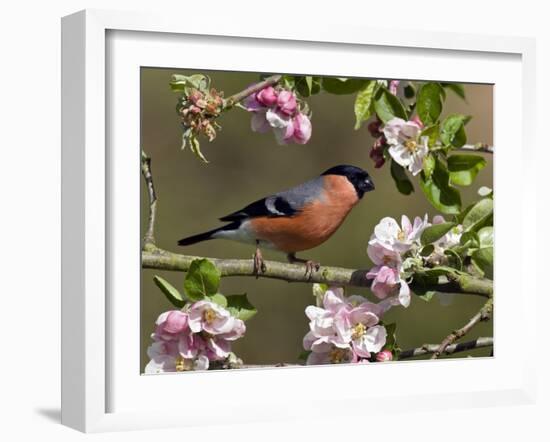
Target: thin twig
(239, 96)
(454, 348)
(426, 349)
(484, 148)
(482, 315)
(149, 238)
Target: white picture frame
(92, 367)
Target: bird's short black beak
(370, 184)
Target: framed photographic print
(301, 208)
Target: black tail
(206, 235)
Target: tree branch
(153, 257)
(454, 348)
(149, 238)
(426, 349)
(239, 96)
(480, 147)
(482, 315)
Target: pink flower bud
(384, 356)
(267, 96)
(416, 120)
(374, 127)
(286, 101)
(393, 86)
(302, 128)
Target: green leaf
(469, 238)
(302, 357)
(196, 148)
(169, 291)
(401, 179)
(429, 103)
(203, 279)
(440, 194)
(427, 250)
(432, 132)
(240, 307)
(363, 103)
(434, 232)
(478, 215)
(483, 259)
(219, 299)
(428, 165)
(388, 106)
(319, 292)
(183, 83)
(464, 168)
(452, 130)
(457, 88)
(342, 86)
(391, 338)
(426, 295)
(307, 85)
(486, 237)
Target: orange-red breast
(297, 219)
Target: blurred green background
(245, 166)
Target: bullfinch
(296, 219)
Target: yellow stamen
(401, 235)
(358, 331)
(337, 355)
(411, 145)
(209, 316)
(183, 364)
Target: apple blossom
(278, 110)
(267, 96)
(189, 340)
(407, 147)
(344, 329)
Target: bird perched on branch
(297, 219)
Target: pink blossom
(286, 102)
(302, 128)
(210, 317)
(399, 237)
(407, 146)
(252, 104)
(190, 340)
(388, 285)
(344, 329)
(267, 96)
(170, 323)
(384, 356)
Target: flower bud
(267, 96)
(374, 128)
(286, 101)
(393, 86)
(384, 356)
(416, 120)
(302, 128)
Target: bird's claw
(310, 266)
(259, 264)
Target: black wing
(273, 206)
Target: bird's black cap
(360, 178)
